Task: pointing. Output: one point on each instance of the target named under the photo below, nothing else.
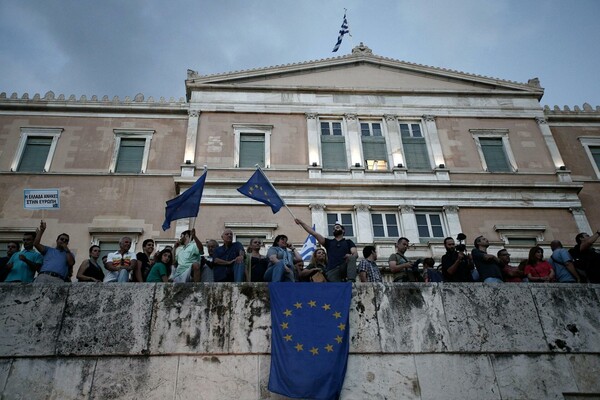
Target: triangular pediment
(361, 71)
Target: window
(36, 149)
(340, 218)
(592, 149)
(430, 225)
(415, 147)
(109, 247)
(385, 225)
(494, 150)
(131, 151)
(333, 146)
(252, 150)
(373, 144)
(252, 145)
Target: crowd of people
(335, 260)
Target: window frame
(428, 214)
(495, 134)
(340, 220)
(27, 132)
(385, 225)
(423, 137)
(131, 134)
(587, 143)
(372, 164)
(252, 129)
(333, 139)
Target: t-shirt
(486, 269)
(227, 254)
(560, 258)
(587, 260)
(157, 271)
(186, 256)
(20, 270)
(336, 251)
(55, 260)
(539, 270)
(118, 260)
(462, 273)
(405, 275)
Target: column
(319, 218)
(191, 137)
(435, 144)
(581, 220)
(409, 223)
(314, 146)
(563, 174)
(394, 142)
(364, 226)
(454, 227)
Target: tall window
(373, 144)
(131, 151)
(252, 145)
(430, 225)
(333, 145)
(385, 225)
(591, 146)
(494, 150)
(340, 218)
(252, 150)
(415, 147)
(36, 149)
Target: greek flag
(310, 245)
(343, 30)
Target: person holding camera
(457, 266)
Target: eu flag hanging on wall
(309, 339)
(186, 204)
(259, 188)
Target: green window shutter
(493, 152)
(252, 150)
(35, 154)
(415, 153)
(374, 148)
(131, 155)
(333, 152)
(596, 155)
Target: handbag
(318, 277)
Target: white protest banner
(41, 199)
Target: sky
(125, 47)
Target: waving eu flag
(186, 204)
(309, 339)
(259, 188)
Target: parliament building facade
(386, 147)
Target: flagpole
(273, 188)
(192, 220)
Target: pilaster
(580, 219)
(562, 173)
(319, 218)
(409, 223)
(364, 227)
(454, 227)
(191, 139)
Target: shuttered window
(373, 144)
(131, 155)
(494, 154)
(333, 146)
(35, 154)
(596, 155)
(252, 150)
(415, 147)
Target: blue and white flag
(343, 30)
(309, 246)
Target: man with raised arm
(58, 261)
(188, 251)
(341, 253)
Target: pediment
(361, 71)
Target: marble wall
(212, 341)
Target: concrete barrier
(212, 341)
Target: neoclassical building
(387, 147)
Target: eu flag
(259, 188)
(186, 204)
(309, 339)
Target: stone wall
(212, 341)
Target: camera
(415, 266)
(461, 246)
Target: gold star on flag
(329, 348)
(337, 315)
(298, 305)
(339, 339)
(299, 347)
(314, 351)
(287, 313)
(312, 303)
(326, 307)
(288, 338)
(284, 325)
(342, 326)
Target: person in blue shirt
(562, 263)
(58, 261)
(24, 264)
